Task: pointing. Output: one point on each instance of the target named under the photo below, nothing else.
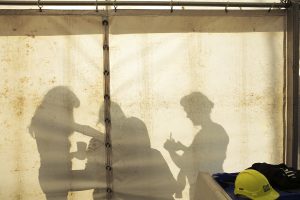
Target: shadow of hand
(171, 145)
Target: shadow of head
(55, 112)
(197, 107)
(61, 96)
(116, 113)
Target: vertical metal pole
(292, 84)
(107, 116)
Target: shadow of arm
(89, 131)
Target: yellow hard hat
(254, 185)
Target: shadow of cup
(81, 150)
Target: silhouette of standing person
(140, 172)
(51, 126)
(207, 151)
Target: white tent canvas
(188, 94)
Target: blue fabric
(226, 180)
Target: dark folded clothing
(279, 176)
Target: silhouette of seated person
(52, 125)
(139, 171)
(207, 151)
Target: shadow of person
(139, 171)
(207, 151)
(51, 126)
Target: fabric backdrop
(189, 94)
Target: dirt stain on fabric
(24, 80)
(4, 93)
(18, 105)
(31, 35)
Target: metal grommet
(107, 120)
(106, 97)
(109, 190)
(106, 72)
(105, 22)
(115, 6)
(109, 168)
(105, 47)
(107, 145)
(226, 7)
(39, 5)
(271, 7)
(97, 10)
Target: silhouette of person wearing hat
(207, 151)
